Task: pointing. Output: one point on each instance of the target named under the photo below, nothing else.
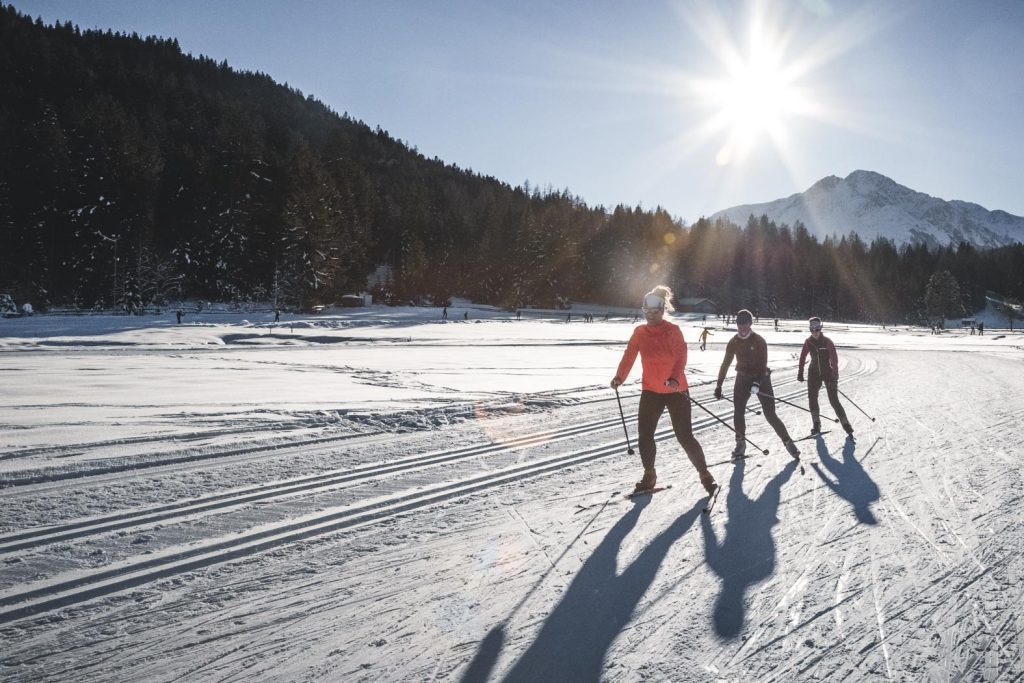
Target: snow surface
(377, 494)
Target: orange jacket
(662, 355)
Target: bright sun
(757, 94)
(756, 100)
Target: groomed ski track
(894, 556)
(29, 600)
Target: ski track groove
(143, 519)
(28, 485)
(86, 586)
(52, 534)
(913, 603)
(741, 654)
(80, 448)
(886, 633)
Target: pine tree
(942, 295)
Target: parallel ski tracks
(89, 527)
(56, 593)
(15, 482)
(184, 509)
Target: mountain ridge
(873, 205)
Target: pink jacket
(662, 355)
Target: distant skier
(663, 358)
(444, 313)
(178, 313)
(981, 328)
(753, 376)
(704, 338)
(824, 368)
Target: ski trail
(880, 614)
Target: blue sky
(692, 106)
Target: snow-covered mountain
(873, 205)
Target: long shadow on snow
(746, 555)
(597, 605)
(851, 483)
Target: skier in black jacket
(752, 377)
(824, 368)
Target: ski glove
(616, 382)
(718, 391)
(800, 377)
(755, 388)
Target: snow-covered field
(380, 495)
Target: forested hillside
(132, 174)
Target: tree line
(132, 174)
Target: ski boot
(648, 481)
(848, 428)
(791, 447)
(708, 482)
(740, 451)
(815, 429)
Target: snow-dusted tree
(156, 278)
(414, 270)
(942, 295)
(321, 246)
(7, 305)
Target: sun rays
(757, 93)
(744, 88)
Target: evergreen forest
(134, 175)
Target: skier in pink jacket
(824, 368)
(662, 353)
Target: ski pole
(747, 408)
(854, 404)
(629, 448)
(790, 403)
(702, 407)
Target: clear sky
(693, 106)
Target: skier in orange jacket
(663, 358)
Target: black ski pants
(652, 405)
(740, 396)
(814, 383)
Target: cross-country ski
(637, 493)
(711, 500)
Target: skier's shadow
(746, 554)
(849, 480)
(597, 605)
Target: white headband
(653, 301)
